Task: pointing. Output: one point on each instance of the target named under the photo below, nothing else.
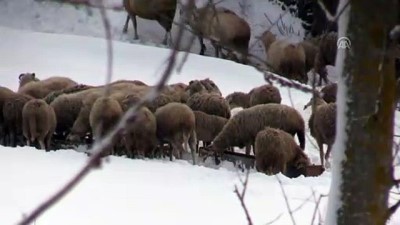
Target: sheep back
(265, 94)
(241, 129)
(329, 92)
(210, 103)
(238, 99)
(39, 89)
(275, 150)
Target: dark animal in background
(163, 11)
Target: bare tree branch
(286, 200)
(100, 146)
(241, 197)
(316, 208)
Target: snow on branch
(101, 146)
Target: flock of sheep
(45, 112)
(225, 29)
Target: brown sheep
(104, 115)
(210, 86)
(39, 123)
(285, 58)
(264, 94)
(238, 99)
(25, 78)
(54, 94)
(208, 127)
(223, 27)
(176, 125)
(310, 49)
(275, 150)
(326, 55)
(140, 135)
(5, 93)
(241, 129)
(329, 92)
(39, 89)
(212, 104)
(12, 114)
(322, 124)
(161, 10)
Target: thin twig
(316, 208)
(241, 197)
(286, 200)
(99, 147)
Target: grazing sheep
(329, 92)
(39, 89)
(5, 93)
(140, 135)
(210, 103)
(265, 94)
(285, 58)
(208, 127)
(322, 124)
(210, 86)
(104, 115)
(326, 55)
(39, 123)
(25, 78)
(238, 99)
(223, 27)
(241, 130)
(310, 50)
(176, 125)
(275, 150)
(161, 10)
(12, 114)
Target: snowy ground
(129, 191)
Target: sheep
(223, 27)
(238, 99)
(12, 114)
(39, 123)
(5, 93)
(322, 124)
(326, 55)
(208, 127)
(140, 135)
(25, 78)
(310, 50)
(210, 103)
(275, 150)
(161, 10)
(241, 130)
(104, 115)
(285, 58)
(329, 92)
(176, 125)
(210, 86)
(264, 94)
(54, 94)
(39, 89)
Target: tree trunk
(364, 173)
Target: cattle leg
(321, 152)
(125, 30)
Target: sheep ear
(33, 75)
(20, 76)
(190, 82)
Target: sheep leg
(41, 143)
(248, 149)
(217, 49)
(133, 18)
(328, 152)
(321, 152)
(192, 144)
(202, 45)
(125, 30)
(12, 139)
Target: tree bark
(369, 75)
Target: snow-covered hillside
(129, 191)
(54, 17)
